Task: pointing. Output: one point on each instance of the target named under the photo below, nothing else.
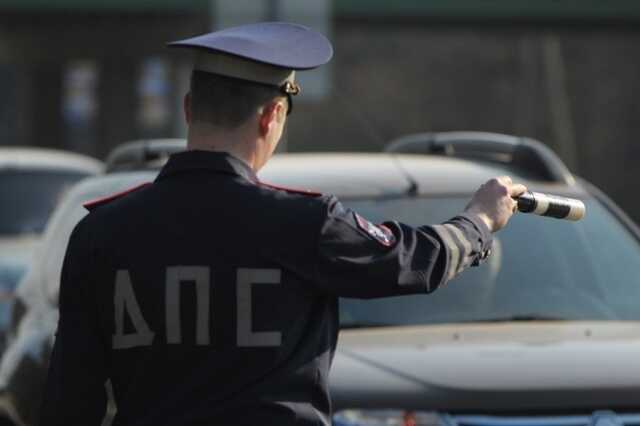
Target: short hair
(225, 101)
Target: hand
(493, 202)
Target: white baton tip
(577, 211)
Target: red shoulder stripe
(90, 205)
(291, 190)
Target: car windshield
(541, 268)
(43, 275)
(29, 196)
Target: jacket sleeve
(357, 258)
(75, 390)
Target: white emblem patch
(380, 233)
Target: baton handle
(550, 206)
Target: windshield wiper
(521, 318)
(353, 325)
(513, 318)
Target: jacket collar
(216, 162)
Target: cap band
(243, 69)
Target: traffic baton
(550, 205)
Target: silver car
(545, 333)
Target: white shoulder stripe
(542, 204)
(465, 246)
(454, 251)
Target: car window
(28, 197)
(540, 267)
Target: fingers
(505, 180)
(507, 186)
(494, 201)
(514, 206)
(512, 189)
(517, 190)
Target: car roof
(107, 184)
(143, 154)
(355, 175)
(47, 159)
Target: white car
(32, 182)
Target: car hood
(501, 367)
(18, 250)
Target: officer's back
(193, 278)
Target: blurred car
(23, 367)
(32, 182)
(547, 332)
(145, 154)
(547, 327)
(34, 316)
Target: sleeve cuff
(485, 236)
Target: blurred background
(87, 75)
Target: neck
(236, 142)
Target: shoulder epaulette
(291, 190)
(93, 204)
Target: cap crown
(280, 44)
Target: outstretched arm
(359, 259)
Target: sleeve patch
(380, 233)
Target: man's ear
(268, 117)
(187, 107)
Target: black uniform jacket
(209, 298)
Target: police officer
(210, 298)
